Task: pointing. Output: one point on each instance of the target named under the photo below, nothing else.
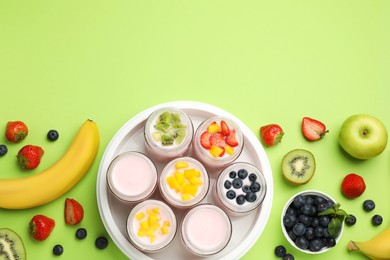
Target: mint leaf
(334, 227)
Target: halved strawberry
(224, 128)
(313, 129)
(217, 139)
(231, 139)
(74, 212)
(205, 140)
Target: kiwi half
(11, 245)
(298, 166)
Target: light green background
(62, 62)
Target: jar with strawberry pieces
(218, 142)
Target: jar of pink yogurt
(206, 230)
(132, 176)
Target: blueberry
(309, 234)
(289, 220)
(292, 235)
(316, 245)
(252, 177)
(240, 199)
(322, 207)
(3, 149)
(302, 243)
(306, 220)
(81, 233)
(230, 194)
(376, 220)
(299, 201)
(246, 188)
(368, 205)
(319, 200)
(291, 211)
(242, 174)
(288, 257)
(255, 186)
(324, 221)
(232, 174)
(227, 184)
(237, 183)
(319, 232)
(330, 242)
(350, 220)
(309, 210)
(58, 250)
(315, 222)
(280, 251)
(326, 233)
(309, 200)
(52, 135)
(299, 229)
(250, 197)
(101, 242)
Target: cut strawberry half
(217, 139)
(205, 140)
(225, 128)
(313, 129)
(231, 139)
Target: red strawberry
(29, 156)
(312, 129)
(217, 139)
(40, 227)
(353, 186)
(224, 128)
(74, 212)
(271, 134)
(231, 139)
(205, 140)
(16, 131)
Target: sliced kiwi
(167, 140)
(298, 166)
(11, 245)
(170, 128)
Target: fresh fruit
(169, 129)
(313, 129)
(288, 257)
(52, 135)
(298, 166)
(74, 212)
(353, 186)
(3, 150)
(151, 223)
(11, 245)
(363, 136)
(377, 247)
(205, 140)
(29, 156)
(271, 134)
(43, 187)
(350, 220)
(376, 220)
(101, 242)
(280, 251)
(58, 250)
(16, 131)
(40, 227)
(368, 205)
(81, 233)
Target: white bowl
(285, 232)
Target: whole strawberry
(313, 129)
(40, 227)
(16, 131)
(271, 134)
(74, 212)
(353, 186)
(29, 156)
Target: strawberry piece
(231, 139)
(225, 128)
(313, 129)
(16, 131)
(40, 227)
(205, 140)
(74, 212)
(271, 134)
(29, 156)
(353, 186)
(217, 139)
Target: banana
(51, 183)
(377, 248)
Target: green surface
(62, 62)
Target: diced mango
(191, 189)
(181, 165)
(229, 149)
(172, 182)
(152, 219)
(190, 173)
(141, 233)
(164, 230)
(152, 238)
(140, 215)
(144, 224)
(167, 223)
(179, 177)
(185, 196)
(195, 180)
(156, 210)
(216, 151)
(182, 187)
(213, 128)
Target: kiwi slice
(170, 129)
(11, 245)
(298, 166)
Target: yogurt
(132, 176)
(151, 226)
(206, 230)
(218, 142)
(240, 189)
(168, 133)
(184, 182)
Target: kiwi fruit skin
(293, 156)
(11, 245)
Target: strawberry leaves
(337, 216)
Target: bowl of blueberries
(308, 222)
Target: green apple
(363, 136)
